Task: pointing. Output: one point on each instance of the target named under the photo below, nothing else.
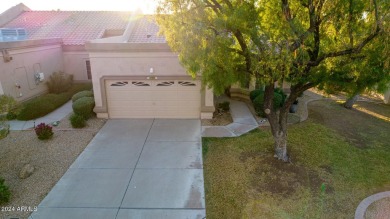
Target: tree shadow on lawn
(359, 128)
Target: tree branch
(353, 50)
(214, 7)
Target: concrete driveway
(133, 168)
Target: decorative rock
(26, 171)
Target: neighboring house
(133, 71)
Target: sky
(146, 6)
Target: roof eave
(127, 47)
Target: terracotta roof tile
(75, 27)
(146, 31)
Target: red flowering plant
(44, 131)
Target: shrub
(255, 93)
(258, 103)
(7, 103)
(44, 131)
(77, 121)
(85, 93)
(84, 106)
(4, 129)
(281, 92)
(11, 116)
(47, 103)
(225, 106)
(4, 192)
(278, 100)
(59, 82)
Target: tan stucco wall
(74, 63)
(132, 64)
(26, 61)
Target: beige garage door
(153, 98)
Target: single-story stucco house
(133, 71)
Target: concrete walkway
(133, 168)
(54, 116)
(243, 122)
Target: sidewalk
(243, 122)
(54, 116)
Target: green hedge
(85, 93)
(84, 107)
(47, 103)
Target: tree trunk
(351, 101)
(281, 146)
(278, 122)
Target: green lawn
(339, 157)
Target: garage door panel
(189, 96)
(153, 99)
(131, 113)
(165, 95)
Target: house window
(88, 65)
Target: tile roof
(146, 30)
(74, 27)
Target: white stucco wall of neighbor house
(75, 64)
(20, 61)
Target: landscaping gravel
(50, 159)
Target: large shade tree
(230, 41)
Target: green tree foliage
(302, 41)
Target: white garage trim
(165, 98)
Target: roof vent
(12, 34)
(148, 36)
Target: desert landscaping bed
(50, 159)
(379, 209)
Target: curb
(362, 207)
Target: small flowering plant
(44, 131)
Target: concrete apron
(133, 168)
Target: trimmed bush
(47, 103)
(258, 103)
(255, 93)
(84, 106)
(278, 100)
(225, 106)
(85, 93)
(281, 92)
(4, 192)
(44, 131)
(59, 82)
(77, 121)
